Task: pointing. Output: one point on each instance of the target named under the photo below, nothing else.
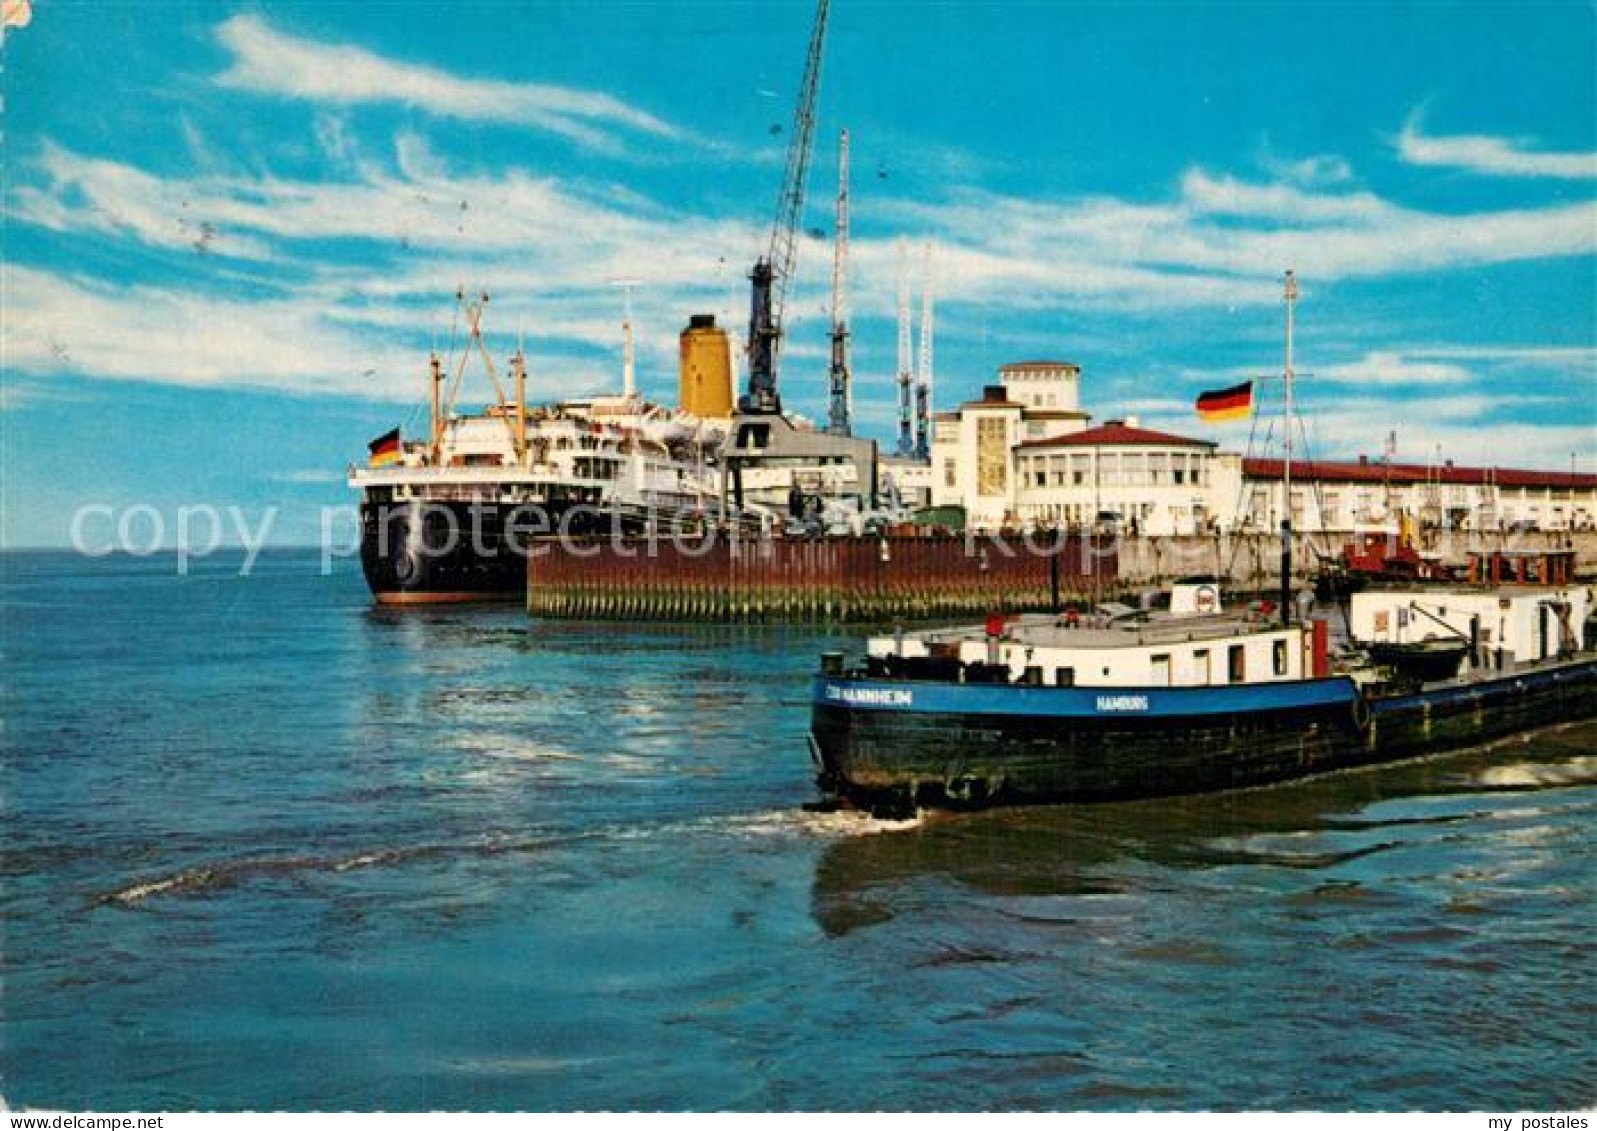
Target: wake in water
(826, 824)
(844, 824)
(1540, 775)
(205, 879)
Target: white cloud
(307, 317)
(1578, 359)
(1388, 367)
(1208, 195)
(1220, 242)
(1468, 430)
(268, 61)
(84, 194)
(1493, 156)
(59, 324)
(1321, 169)
(335, 140)
(566, 235)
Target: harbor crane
(840, 413)
(773, 272)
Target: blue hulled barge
(1122, 703)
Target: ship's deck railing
(400, 476)
(1053, 632)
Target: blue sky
(233, 233)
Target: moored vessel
(453, 516)
(1123, 703)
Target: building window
(992, 456)
(948, 473)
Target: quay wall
(817, 579)
(921, 577)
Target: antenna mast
(629, 383)
(923, 387)
(906, 425)
(841, 410)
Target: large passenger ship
(452, 516)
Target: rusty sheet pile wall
(822, 579)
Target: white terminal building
(1027, 455)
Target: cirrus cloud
(1491, 156)
(268, 61)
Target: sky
(232, 234)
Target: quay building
(1025, 454)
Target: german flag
(1234, 403)
(385, 449)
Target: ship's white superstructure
(611, 452)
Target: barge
(1122, 703)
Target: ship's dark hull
(443, 551)
(1024, 745)
(440, 552)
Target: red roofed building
(1024, 455)
(1348, 495)
(1149, 482)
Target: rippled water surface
(266, 846)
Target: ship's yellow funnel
(706, 373)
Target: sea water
(267, 846)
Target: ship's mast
(629, 383)
(1286, 471)
(519, 367)
(436, 434)
(474, 311)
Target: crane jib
(772, 274)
